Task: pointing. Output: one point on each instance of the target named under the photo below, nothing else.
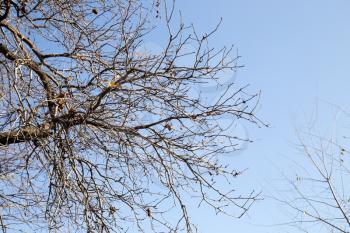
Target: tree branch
(7, 4)
(23, 135)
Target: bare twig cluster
(319, 198)
(97, 135)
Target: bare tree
(97, 135)
(319, 198)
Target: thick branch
(44, 77)
(23, 135)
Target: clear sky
(298, 54)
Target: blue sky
(297, 53)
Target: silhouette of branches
(97, 135)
